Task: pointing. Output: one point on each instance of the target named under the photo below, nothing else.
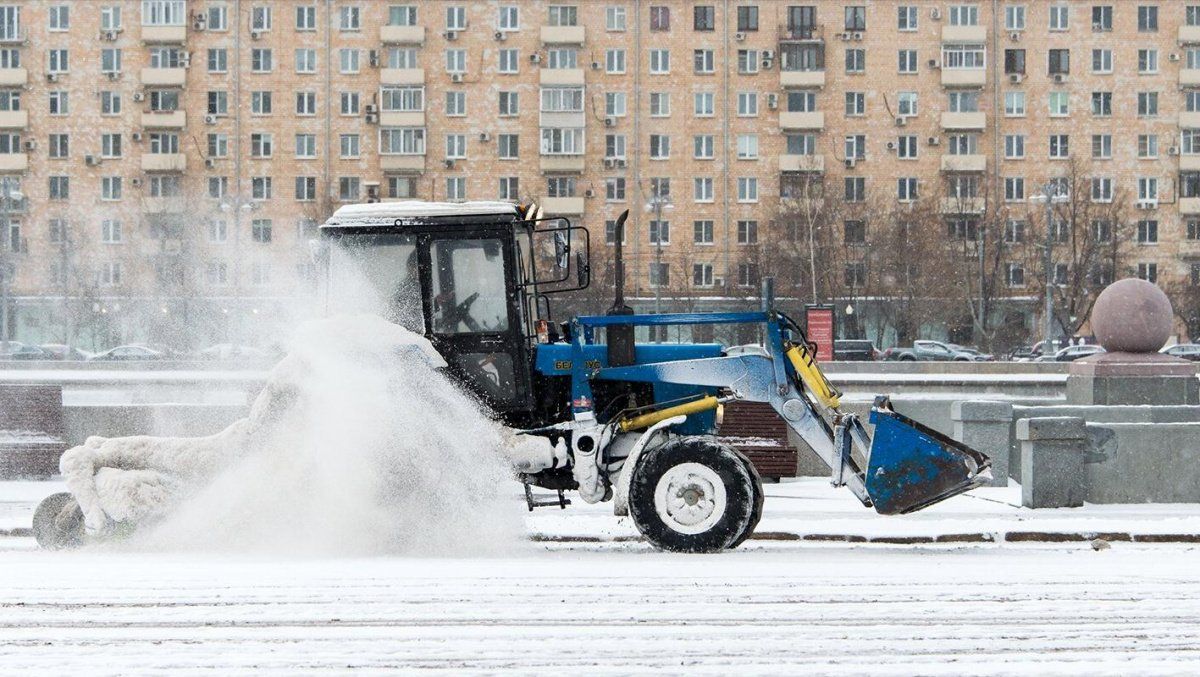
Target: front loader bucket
(913, 466)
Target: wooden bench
(754, 429)
(31, 430)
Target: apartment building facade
(168, 159)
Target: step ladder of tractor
(754, 429)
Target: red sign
(819, 327)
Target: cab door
(474, 315)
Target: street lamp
(6, 200)
(657, 204)
(1050, 196)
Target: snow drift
(357, 445)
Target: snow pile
(357, 445)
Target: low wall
(172, 420)
(1149, 463)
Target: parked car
(29, 353)
(927, 351)
(976, 354)
(9, 348)
(60, 351)
(131, 353)
(230, 351)
(854, 350)
(1188, 351)
(1072, 353)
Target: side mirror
(562, 249)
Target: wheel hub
(690, 498)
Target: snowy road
(610, 609)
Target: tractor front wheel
(58, 522)
(694, 494)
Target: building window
(747, 232)
(748, 275)
(218, 145)
(1102, 104)
(906, 147)
(350, 103)
(349, 60)
(660, 274)
(703, 147)
(660, 147)
(660, 18)
(507, 146)
(350, 146)
(660, 61)
(1147, 18)
(349, 188)
(702, 189)
(703, 61)
(906, 18)
(747, 104)
(747, 18)
(110, 145)
(615, 17)
(906, 104)
(1147, 61)
(59, 103)
(702, 274)
(1014, 61)
(260, 103)
(1102, 189)
(1015, 275)
(456, 18)
(260, 187)
(306, 60)
(1147, 146)
(1014, 104)
(1148, 271)
(349, 18)
(59, 17)
(1014, 18)
(1059, 104)
(856, 60)
(1059, 146)
(1102, 18)
(702, 232)
(747, 189)
(509, 104)
(306, 103)
(218, 61)
(1102, 146)
(1102, 61)
(906, 189)
(1059, 62)
(1014, 146)
(704, 18)
(856, 18)
(306, 146)
(856, 103)
(1147, 104)
(306, 18)
(907, 61)
(260, 230)
(660, 232)
(1060, 17)
(510, 60)
(110, 188)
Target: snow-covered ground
(618, 607)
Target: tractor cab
(471, 277)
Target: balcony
(964, 163)
(801, 163)
(1189, 35)
(962, 205)
(164, 77)
(175, 119)
(1189, 163)
(1187, 205)
(964, 34)
(14, 162)
(164, 162)
(402, 76)
(14, 77)
(1189, 77)
(402, 35)
(562, 163)
(562, 206)
(164, 205)
(402, 163)
(964, 77)
(811, 120)
(402, 118)
(802, 79)
(1189, 120)
(964, 120)
(14, 119)
(562, 35)
(561, 76)
(163, 35)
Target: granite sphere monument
(1132, 316)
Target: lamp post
(236, 205)
(1051, 197)
(6, 199)
(657, 204)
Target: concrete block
(1053, 451)
(984, 426)
(1147, 462)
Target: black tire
(726, 524)
(907, 358)
(759, 497)
(58, 522)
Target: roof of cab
(415, 211)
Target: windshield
(468, 286)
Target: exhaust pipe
(620, 337)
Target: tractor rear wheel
(694, 494)
(58, 522)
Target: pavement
(808, 509)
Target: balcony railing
(802, 33)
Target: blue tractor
(619, 421)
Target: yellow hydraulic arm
(814, 379)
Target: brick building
(174, 157)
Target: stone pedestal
(1053, 451)
(984, 426)
(1133, 378)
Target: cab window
(469, 287)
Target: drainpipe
(237, 155)
(328, 185)
(635, 154)
(725, 144)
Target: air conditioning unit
(499, 35)
(891, 145)
(199, 23)
(1015, 36)
(209, 162)
(255, 35)
(450, 35)
(51, 77)
(535, 58)
(91, 160)
(1174, 56)
(589, 193)
(136, 136)
(373, 58)
(1173, 150)
(1060, 78)
(901, 121)
(113, 75)
(740, 37)
(185, 59)
(933, 63)
(844, 36)
(609, 122)
(108, 35)
(456, 77)
(1147, 204)
(935, 14)
(933, 141)
(30, 145)
(449, 164)
(370, 108)
(139, 96)
(1015, 78)
(768, 55)
(620, 162)
(371, 118)
(595, 65)
(856, 36)
(135, 181)
(210, 119)
(766, 63)
(609, 163)
(850, 162)
(772, 101)
(372, 192)
(485, 137)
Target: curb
(976, 537)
